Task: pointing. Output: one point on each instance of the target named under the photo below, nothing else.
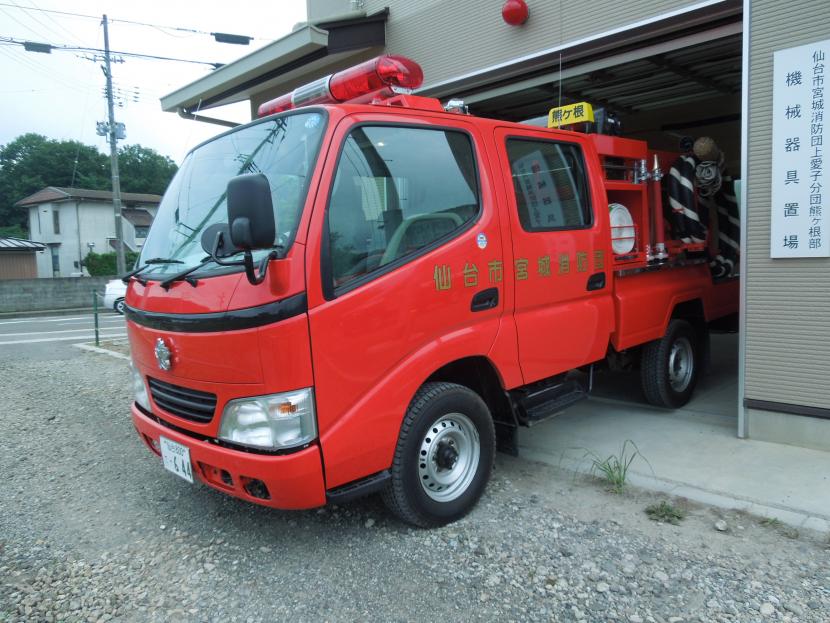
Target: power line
(144, 56)
(30, 64)
(217, 35)
(46, 48)
(33, 7)
(14, 6)
(43, 25)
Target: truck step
(541, 404)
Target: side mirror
(216, 241)
(251, 212)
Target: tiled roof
(18, 244)
(56, 193)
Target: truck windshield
(284, 149)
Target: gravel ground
(121, 346)
(93, 529)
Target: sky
(61, 95)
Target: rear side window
(550, 185)
(397, 191)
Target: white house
(74, 221)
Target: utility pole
(120, 265)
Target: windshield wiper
(184, 274)
(147, 264)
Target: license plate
(176, 458)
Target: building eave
(299, 44)
(313, 50)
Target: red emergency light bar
(378, 78)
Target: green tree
(32, 162)
(13, 231)
(103, 264)
(144, 170)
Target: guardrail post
(95, 314)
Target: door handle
(596, 281)
(484, 300)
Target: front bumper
(293, 481)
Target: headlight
(139, 388)
(274, 422)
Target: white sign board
(800, 179)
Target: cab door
(559, 235)
(403, 231)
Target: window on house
(141, 231)
(56, 221)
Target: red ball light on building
(514, 12)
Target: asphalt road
(51, 337)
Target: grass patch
(770, 522)
(780, 527)
(614, 469)
(665, 512)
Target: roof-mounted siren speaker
(623, 232)
(607, 122)
(379, 78)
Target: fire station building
(748, 73)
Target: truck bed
(644, 300)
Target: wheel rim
(448, 457)
(119, 306)
(681, 364)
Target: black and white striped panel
(725, 264)
(689, 223)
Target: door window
(398, 191)
(550, 185)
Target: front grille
(183, 402)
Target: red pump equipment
(380, 77)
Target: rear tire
(670, 366)
(444, 456)
(119, 306)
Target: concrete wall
(808, 432)
(22, 295)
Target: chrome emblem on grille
(163, 355)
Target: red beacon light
(379, 78)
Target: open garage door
(662, 91)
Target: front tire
(670, 366)
(444, 456)
(119, 306)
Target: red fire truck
(366, 291)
